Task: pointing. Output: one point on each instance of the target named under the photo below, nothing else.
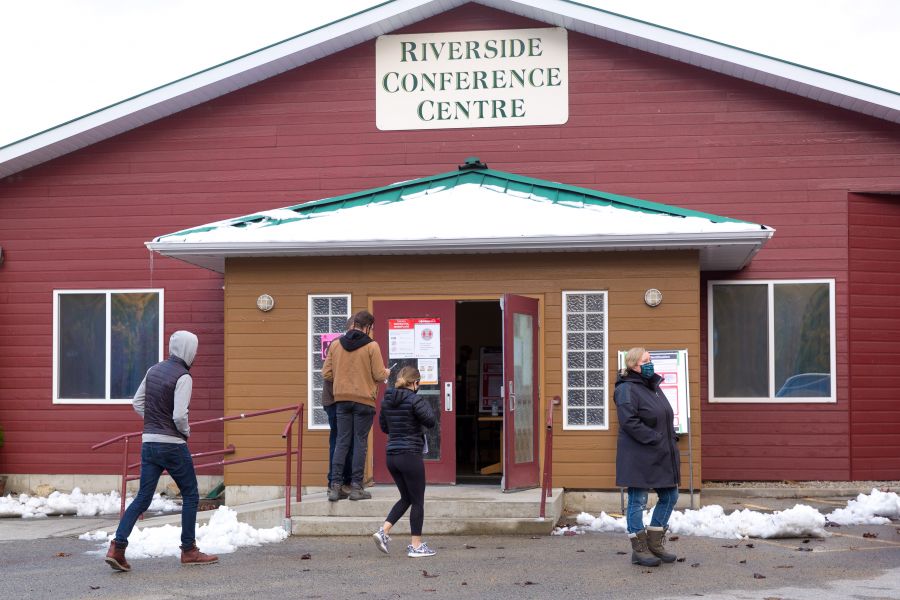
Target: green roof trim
(558, 193)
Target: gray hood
(183, 344)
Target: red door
(520, 392)
(422, 333)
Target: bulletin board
(672, 366)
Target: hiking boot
(195, 557)
(345, 491)
(115, 558)
(640, 553)
(382, 540)
(357, 493)
(422, 550)
(656, 541)
(334, 492)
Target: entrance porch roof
(469, 211)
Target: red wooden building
(649, 113)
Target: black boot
(656, 541)
(640, 553)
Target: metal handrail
(547, 476)
(298, 415)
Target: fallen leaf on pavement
(63, 554)
(695, 565)
(749, 545)
(785, 567)
(679, 559)
(306, 556)
(470, 547)
(426, 574)
(582, 550)
(758, 576)
(526, 583)
(743, 562)
(94, 587)
(674, 538)
(870, 535)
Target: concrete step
(325, 526)
(438, 506)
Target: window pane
(134, 323)
(82, 346)
(328, 315)
(523, 377)
(585, 359)
(802, 340)
(740, 341)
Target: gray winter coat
(646, 453)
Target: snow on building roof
(397, 14)
(472, 210)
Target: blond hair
(632, 359)
(407, 376)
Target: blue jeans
(157, 457)
(637, 504)
(354, 420)
(331, 411)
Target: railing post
(124, 479)
(299, 450)
(287, 475)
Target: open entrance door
(421, 333)
(520, 392)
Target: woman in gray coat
(646, 456)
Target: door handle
(448, 396)
(512, 396)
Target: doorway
(479, 379)
(497, 418)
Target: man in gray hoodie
(162, 401)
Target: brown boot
(640, 553)
(656, 541)
(115, 558)
(195, 557)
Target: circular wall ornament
(653, 297)
(265, 303)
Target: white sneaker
(422, 550)
(382, 540)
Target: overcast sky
(64, 58)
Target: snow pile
(871, 509)
(222, 535)
(76, 503)
(799, 521)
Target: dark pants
(157, 457)
(354, 420)
(331, 411)
(408, 471)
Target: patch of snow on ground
(222, 535)
(799, 521)
(76, 503)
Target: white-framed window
(103, 343)
(771, 341)
(584, 357)
(328, 314)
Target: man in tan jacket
(355, 366)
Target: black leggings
(408, 471)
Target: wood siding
(266, 359)
(639, 125)
(875, 331)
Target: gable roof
(397, 14)
(471, 210)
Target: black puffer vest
(159, 396)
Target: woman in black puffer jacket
(403, 416)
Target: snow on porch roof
(471, 210)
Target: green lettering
(386, 82)
(553, 77)
(534, 47)
(421, 110)
(480, 77)
(518, 107)
(408, 49)
(490, 49)
(472, 50)
(455, 50)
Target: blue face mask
(647, 370)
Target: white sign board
(672, 366)
(414, 338)
(454, 80)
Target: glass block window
(584, 360)
(327, 318)
(771, 341)
(103, 344)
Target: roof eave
(729, 251)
